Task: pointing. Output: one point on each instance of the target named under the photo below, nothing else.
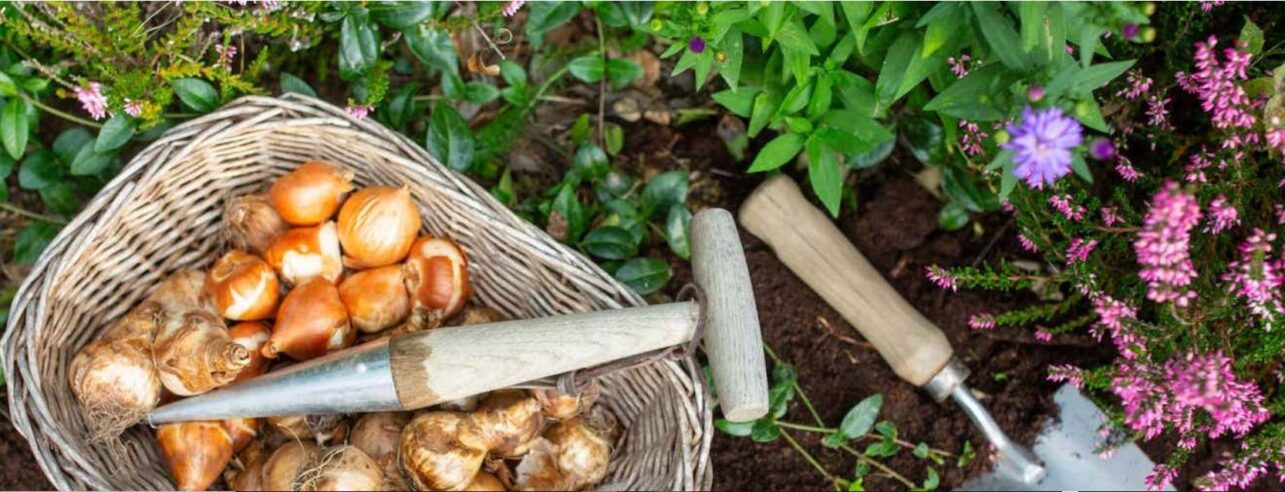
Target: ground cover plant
(1157, 229)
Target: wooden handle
(444, 364)
(812, 247)
(733, 341)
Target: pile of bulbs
(311, 267)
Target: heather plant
(1167, 248)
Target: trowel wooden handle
(808, 242)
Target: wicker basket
(162, 214)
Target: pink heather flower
(941, 277)
(1079, 250)
(1112, 316)
(1222, 215)
(226, 53)
(1035, 94)
(1042, 145)
(1214, 83)
(1043, 335)
(1257, 277)
(1161, 476)
(1207, 382)
(1280, 214)
(1070, 50)
(1067, 373)
(1110, 216)
(1125, 168)
(1157, 115)
(133, 108)
(1027, 244)
(92, 99)
(982, 322)
(1235, 473)
(358, 111)
(1208, 5)
(1162, 245)
(959, 66)
(1196, 168)
(1276, 139)
(512, 7)
(1062, 203)
(971, 137)
(1136, 84)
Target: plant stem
(9, 207)
(805, 428)
(882, 467)
(807, 402)
(49, 109)
(813, 461)
(875, 437)
(602, 85)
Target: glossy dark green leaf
(591, 161)
(31, 241)
(925, 139)
(480, 92)
(432, 46)
(637, 13)
(610, 243)
(644, 275)
(614, 137)
(737, 429)
(588, 68)
(765, 430)
(543, 17)
(677, 230)
(7, 86)
(60, 199)
(663, 191)
(952, 217)
(825, 175)
(942, 21)
(40, 170)
(114, 134)
(196, 94)
(401, 107)
(70, 141)
(861, 417)
(6, 168)
(15, 127)
(896, 67)
(400, 15)
(960, 186)
(733, 46)
(568, 215)
(997, 30)
(1252, 37)
(290, 83)
(616, 184)
(449, 138)
(90, 161)
(779, 151)
(976, 97)
(621, 71)
(358, 46)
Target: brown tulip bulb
(379, 435)
(485, 482)
(437, 278)
(311, 322)
(251, 224)
(343, 468)
(252, 335)
(307, 253)
(249, 479)
(561, 406)
(287, 463)
(195, 452)
(243, 287)
(242, 431)
(114, 378)
(310, 194)
(376, 299)
(439, 451)
(377, 226)
(582, 451)
(195, 354)
(181, 292)
(508, 421)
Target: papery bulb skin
(477, 315)
(252, 335)
(195, 452)
(181, 292)
(114, 378)
(251, 478)
(508, 421)
(312, 321)
(439, 451)
(437, 279)
(485, 482)
(242, 431)
(243, 287)
(377, 226)
(343, 468)
(379, 436)
(287, 463)
(250, 223)
(310, 194)
(306, 253)
(194, 353)
(376, 299)
(582, 451)
(559, 406)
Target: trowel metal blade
(1067, 449)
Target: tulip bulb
(114, 378)
(307, 253)
(478, 315)
(252, 335)
(572, 455)
(310, 194)
(485, 482)
(376, 299)
(181, 292)
(560, 406)
(243, 287)
(343, 468)
(249, 479)
(195, 354)
(379, 435)
(287, 463)
(508, 421)
(377, 226)
(312, 321)
(195, 452)
(437, 278)
(440, 451)
(242, 431)
(251, 224)
(539, 470)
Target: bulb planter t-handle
(421, 369)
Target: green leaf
(663, 191)
(579, 132)
(857, 484)
(587, 68)
(14, 127)
(793, 34)
(857, 13)
(60, 199)
(961, 188)
(196, 94)
(290, 83)
(1088, 113)
(821, 97)
(734, 47)
(872, 158)
(449, 138)
(862, 127)
(591, 161)
(40, 170)
(895, 64)
(90, 161)
(1031, 15)
(856, 93)
(881, 449)
(704, 65)
(6, 168)
(543, 17)
(966, 455)
(948, 18)
(998, 32)
(480, 92)
(798, 124)
(512, 73)
(920, 451)
(432, 47)
(861, 417)
(638, 13)
(567, 208)
(610, 243)
(400, 15)
(615, 138)
(7, 87)
(677, 227)
(358, 46)
(825, 175)
(621, 72)
(69, 143)
(737, 429)
(31, 242)
(1252, 36)
(925, 139)
(1095, 76)
(1081, 168)
(776, 153)
(784, 375)
(765, 105)
(1008, 178)
(834, 440)
(779, 398)
(932, 480)
(401, 107)
(765, 430)
(952, 217)
(974, 97)
(644, 275)
(740, 103)
(114, 134)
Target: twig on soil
(483, 34)
(991, 244)
(829, 329)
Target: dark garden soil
(18, 470)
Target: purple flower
(1042, 145)
(1257, 277)
(1062, 203)
(1130, 31)
(1102, 149)
(1162, 245)
(959, 66)
(226, 54)
(1027, 244)
(1214, 83)
(941, 277)
(1161, 476)
(92, 99)
(1222, 215)
(1079, 250)
(1110, 216)
(1043, 335)
(1035, 94)
(1125, 168)
(971, 136)
(696, 44)
(1112, 315)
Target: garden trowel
(1064, 457)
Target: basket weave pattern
(163, 213)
